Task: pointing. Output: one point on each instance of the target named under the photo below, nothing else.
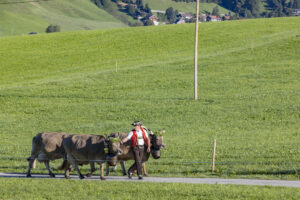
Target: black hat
(137, 123)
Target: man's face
(137, 128)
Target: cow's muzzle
(155, 153)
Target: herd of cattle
(87, 149)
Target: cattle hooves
(102, 178)
(125, 174)
(88, 175)
(52, 175)
(28, 176)
(81, 177)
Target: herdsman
(139, 138)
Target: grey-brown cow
(46, 147)
(156, 143)
(85, 149)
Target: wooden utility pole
(196, 53)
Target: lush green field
(65, 189)
(21, 17)
(183, 7)
(100, 81)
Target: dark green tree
(53, 28)
(227, 4)
(252, 6)
(170, 14)
(279, 8)
(131, 10)
(238, 6)
(147, 9)
(148, 22)
(140, 4)
(215, 11)
(296, 4)
(106, 3)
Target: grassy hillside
(21, 17)
(182, 6)
(100, 81)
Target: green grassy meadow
(19, 17)
(65, 189)
(183, 6)
(100, 81)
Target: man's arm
(127, 138)
(148, 141)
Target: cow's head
(113, 149)
(157, 142)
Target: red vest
(134, 138)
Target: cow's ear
(162, 132)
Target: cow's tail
(34, 164)
(36, 142)
(64, 165)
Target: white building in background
(296, 12)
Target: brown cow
(156, 143)
(46, 147)
(85, 149)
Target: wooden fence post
(214, 156)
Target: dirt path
(172, 180)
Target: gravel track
(282, 183)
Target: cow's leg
(102, 171)
(48, 168)
(132, 168)
(75, 166)
(144, 168)
(77, 169)
(66, 166)
(67, 173)
(122, 163)
(31, 162)
(92, 165)
(107, 169)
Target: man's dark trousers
(138, 152)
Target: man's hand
(148, 149)
(124, 140)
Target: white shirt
(140, 139)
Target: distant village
(148, 16)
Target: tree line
(251, 8)
(201, 1)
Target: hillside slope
(21, 17)
(100, 81)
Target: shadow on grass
(141, 99)
(14, 167)
(263, 172)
